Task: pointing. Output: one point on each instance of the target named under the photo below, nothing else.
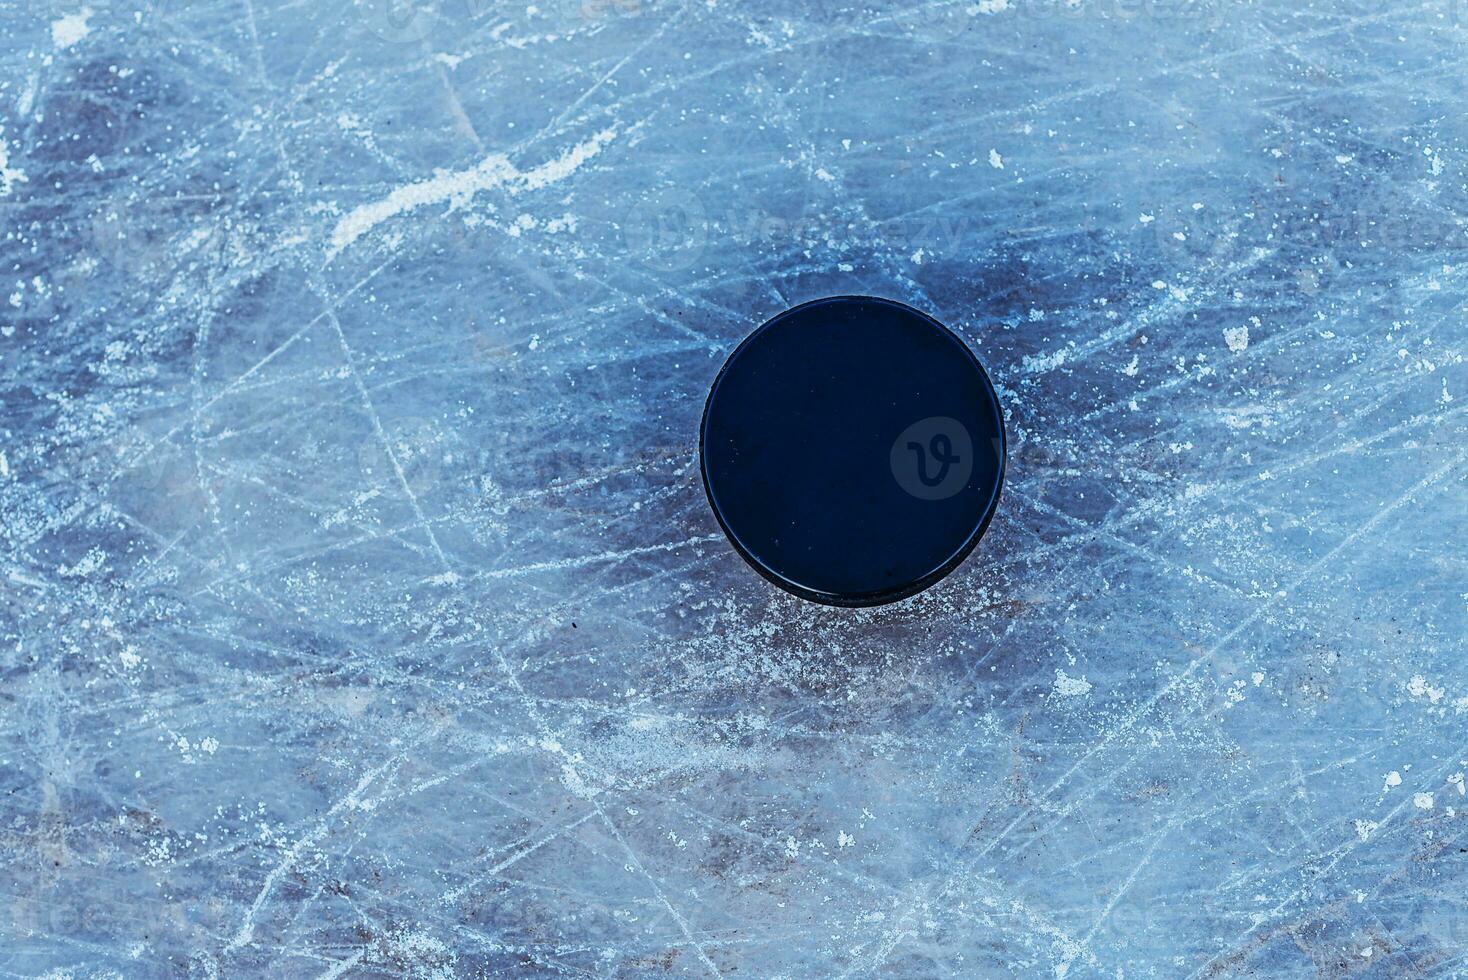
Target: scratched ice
(361, 613)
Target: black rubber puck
(852, 449)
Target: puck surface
(852, 449)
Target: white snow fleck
(457, 188)
(9, 176)
(89, 563)
(1419, 688)
(1071, 687)
(71, 29)
(1042, 363)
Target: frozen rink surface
(361, 612)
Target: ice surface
(362, 611)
